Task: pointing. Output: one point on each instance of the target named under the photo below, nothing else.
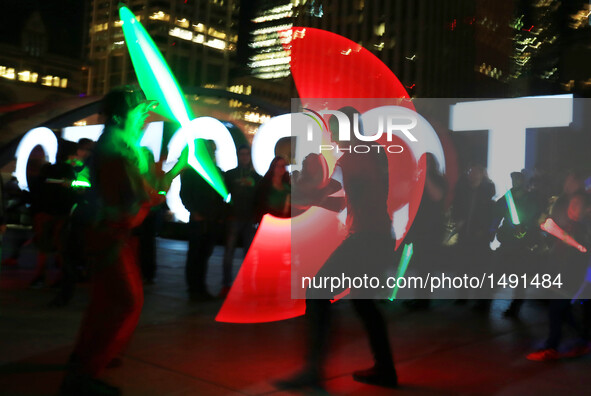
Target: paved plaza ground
(179, 349)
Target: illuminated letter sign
(506, 121)
(43, 137)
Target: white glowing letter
(43, 137)
(506, 121)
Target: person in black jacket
(571, 264)
(368, 250)
(241, 182)
(514, 255)
(473, 214)
(206, 207)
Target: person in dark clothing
(514, 254)
(52, 199)
(146, 232)
(472, 212)
(368, 249)
(121, 198)
(206, 207)
(15, 201)
(273, 193)
(74, 262)
(428, 227)
(561, 255)
(240, 223)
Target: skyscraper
(197, 38)
(41, 50)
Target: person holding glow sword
(121, 199)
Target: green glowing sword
(512, 208)
(158, 83)
(402, 266)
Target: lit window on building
(24, 76)
(199, 27)
(216, 33)
(270, 62)
(7, 72)
(160, 16)
(380, 29)
(64, 83)
(181, 33)
(100, 27)
(184, 23)
(270, 55)
(256, 117)
(118, 44)
(47, 81)
(241, 89)
(215, 43)
(56, 81)
(581, 18)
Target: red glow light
(553, 229)
(323, 65)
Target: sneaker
(81, 385)
(380, 377)
(305, 379)
(544, 355)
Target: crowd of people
(96, 210)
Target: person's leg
(318, 316)
(195, 229)
(586, 327)
(383, 372)
(376, 329)
(109, 322)
(67, 282)
(230, 247)
(248, 232)
(39, 277)
(558, 311)
(203, 251)
(147, 247)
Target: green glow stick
(158, 83)
(512, 208)
(80, 183)
(402, 266)
(162, 192)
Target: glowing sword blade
(158, 83)
(404, 260)
(512, 208)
